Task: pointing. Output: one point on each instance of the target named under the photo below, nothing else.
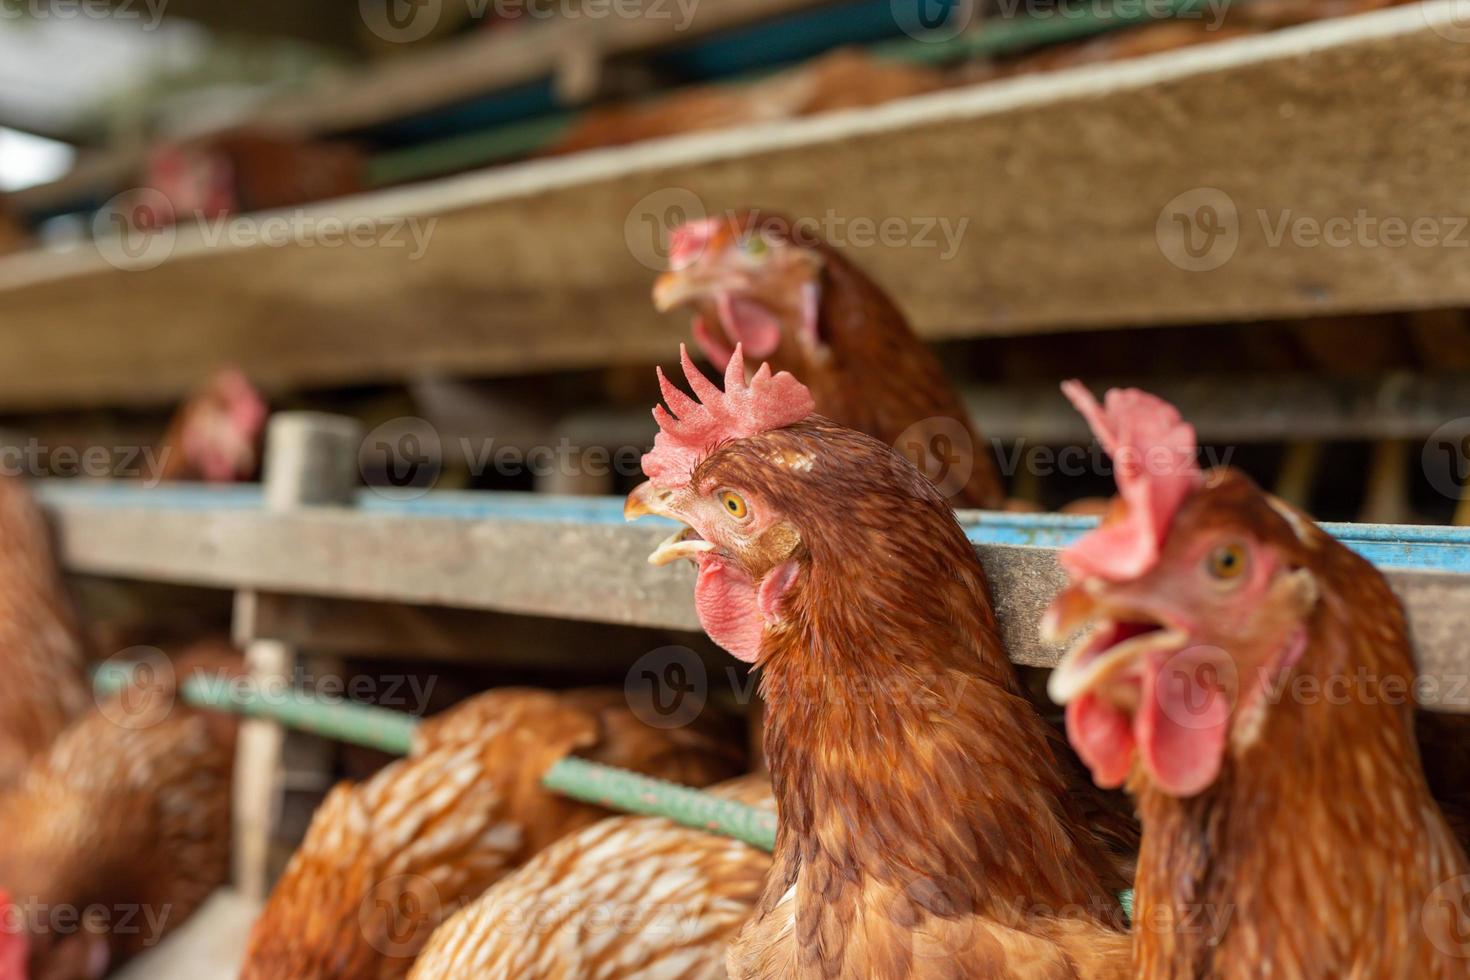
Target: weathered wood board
(590, 571)
(1068, 187)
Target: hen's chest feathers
(1328, 860)
(924, 826)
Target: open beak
(648, 499)
(1115, 645)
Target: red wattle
(1103, 738)
(1181, 726)
(749, 324)
(729, 610)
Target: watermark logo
(1446, 917)
(1450, 21)
(1446, 458)
(934, 20)
(147, 699)
(1193, 687)
(136, 230)
(399, 914)
(942, 449)
(148, 11)
(1198, 230)
(667, 687)
(401, 459)
(401, 21)
(650, 224)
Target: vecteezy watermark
(944, 20)
(399, 914)
(942, 449)
(34, 458)
(649, 226)
(28, 914)
(1200, 230)
(150, 12)
(1091, 459)
(1450, 21)
(934, 20)
(139, 230)
(407, 21)
(667, 687)
(403, 458)
(138, 688)
(1446, 917)
(1446, 458)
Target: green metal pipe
(392, 732)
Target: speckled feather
(1319, 848)
(133, 815)
(927, 829)
(628, 898)
(42, 653)
(388, 860)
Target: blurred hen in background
(42, 651)
(757, 280)
(126, 815)
(466, 808)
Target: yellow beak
(648, 499)
(674, 289)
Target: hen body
(127, 812)
(926, 828)
(1250, 679)
(628, 898)
(42, 654)
(386, 861)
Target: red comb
(690, 427)
(688, 241)
(1153, 451)
(15, 947)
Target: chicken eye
(734, 504)
(1226, 563)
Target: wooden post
(310, 461)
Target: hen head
(1198, 595)
(749, 281)
(763, 488)
(221, 428)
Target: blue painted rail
(1410, 547)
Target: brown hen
(118, 833)
(926, 828)
(42, 652)
(628, 898)
(787, 297)
(1239, 677)
(388, 860)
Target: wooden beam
(310, 461)
(574, 559)
(1063, 181)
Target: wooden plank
(1063, 179)
(447, 550)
